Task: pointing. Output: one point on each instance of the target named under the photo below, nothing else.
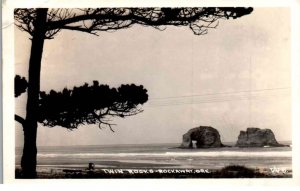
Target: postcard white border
(8, 97)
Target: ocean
(160, 156)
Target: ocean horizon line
(230, 143)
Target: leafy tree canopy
(20, 85)
(93, 20)
(90, 104)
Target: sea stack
(204, 136)
(256, 137)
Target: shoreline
(208, 163)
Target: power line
(184, 100)
(233, 92)
(198, 102)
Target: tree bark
(28, 162)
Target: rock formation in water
(204, 136)
(256, 137)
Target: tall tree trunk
(28, 162)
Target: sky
(234, 77)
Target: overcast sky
(236, 76)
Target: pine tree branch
(20, 119)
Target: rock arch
(205, 137)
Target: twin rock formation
(209, 137)
(256, 137)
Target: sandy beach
(233, 171)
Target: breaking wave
(273, 154)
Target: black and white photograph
(168, 92)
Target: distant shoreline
(229, 143)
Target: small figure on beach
(91, 166)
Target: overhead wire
(217, 97)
